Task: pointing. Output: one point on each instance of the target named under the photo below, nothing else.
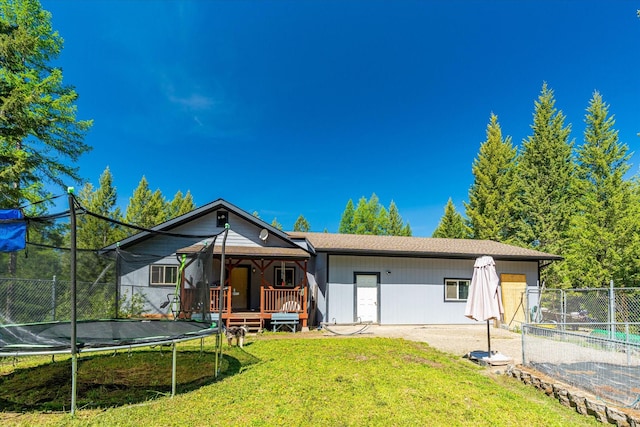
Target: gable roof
(167, 226)
(425, 247)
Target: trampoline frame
(46, 350)
(75, 350)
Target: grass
(273, 381)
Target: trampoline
(98, 335)
(47, 321)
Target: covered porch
(258, 282)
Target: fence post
(612, 311)
(563, 309)
(53, 299)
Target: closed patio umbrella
(484, 302)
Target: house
(322, 277)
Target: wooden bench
(289, 320)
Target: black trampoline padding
(56, 336)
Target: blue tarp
(13, 230)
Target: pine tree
(40, 137)
(370, 217)
(146, 209)
(366, 215)
(301, 224)
(383, 222)
(396, 224)
(492, 197)
(451, 224)
(38, 125)
(94, 233)
(346, 222)
(179, 205)
(545, 173)
(546, 170)
(599, 232)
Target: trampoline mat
(98, 333)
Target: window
(456, 289)
(164, 274)
(288, 281)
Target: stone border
(583, 405)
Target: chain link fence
(588, 338)
(36, 300)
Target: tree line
(556, 196)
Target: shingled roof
(426, 247)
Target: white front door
(367, 298)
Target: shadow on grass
(115, 379)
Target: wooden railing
(215, 301)
(272, 300)
(289, 300)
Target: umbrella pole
(489, 337)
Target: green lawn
(278, 380)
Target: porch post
(229, 293)
(262, 295)
(305, 299)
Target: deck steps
(251, 321)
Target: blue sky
(295, 107)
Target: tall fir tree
(492, 196)
(396, 224)
(346, 221)
(383, 222)
(94, 233)
(546, 170)
(629, 271)
(599, 232)
(146, 208)
(40, 137)
(366, 215)
(452, 224)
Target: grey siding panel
(341, 307)
(411, 289)
(320, 269)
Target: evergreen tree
(545, 174)
(451, 224)
(599, 232)
(275, 224)
(40, 137)
(146, 209)
(38, 125)
(365, 215)
(628, 275)
(370, 217)
(396, 224)
(383, 222)
(346, 222)
(301, 224)
(94, 233)
(492, 197)
(180, 205)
